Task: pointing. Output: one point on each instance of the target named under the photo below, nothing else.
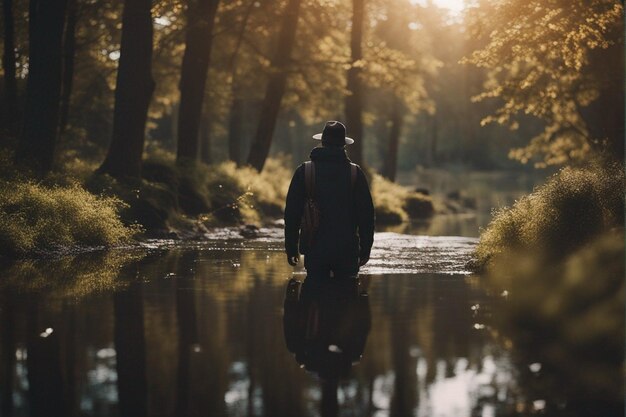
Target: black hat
(334, 134)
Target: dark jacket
(346, 230)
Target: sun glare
(454, 6)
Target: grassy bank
(397, 204)
(559, 255)
(570, 210)
(38, 218)
(75, 207)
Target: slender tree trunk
(133, 91)
(43, 91)
(8, 65)
(354, 99)
(433, 141)
(236, 108)
(206, 155)
(391, 157)
(130, 346)
(200, 22)
(275, 90)
(69, 51)
(234, 129)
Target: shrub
(396, 204)
(38, 218)
(568, 211)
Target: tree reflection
(130, 346)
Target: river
(196, 328)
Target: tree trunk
(69, 51)
(236, 107)
(43, 91)
(433, 141)
(8, 65)
(200, 22)
(130, 346)
(354, 99)
(234, 129)
(391, 157)
(206, 155)
(275, 90)
(133, 90)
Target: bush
(37, 218)
(396, 204)
(568, 211)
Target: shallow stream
(196, 328)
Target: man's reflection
(326, 324)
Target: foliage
(551, 60)
(241, 194)
(568, 211)
(395, 204)
(36, 218)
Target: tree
(200, 21)
(556, 61)
(275, 87)
(354, 99)
(37, 143)
(397, 66)
(133, 91)
(8, 65)
(69, 53)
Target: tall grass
(35, 218)
(568, 211)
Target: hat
(334, 134)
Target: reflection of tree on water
(326, 324)
(130, 347)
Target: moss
(568, 211)
(35, 218)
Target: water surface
(196, 328)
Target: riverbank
(75, 209)
(557, 257)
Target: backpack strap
(353, 173)
(309, 178)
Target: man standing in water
(337, 231)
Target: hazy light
(162, 21)
(454, 6)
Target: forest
(146, 134)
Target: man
(343, 239)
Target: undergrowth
(34, 217)
(395, 204)
(568, 211)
